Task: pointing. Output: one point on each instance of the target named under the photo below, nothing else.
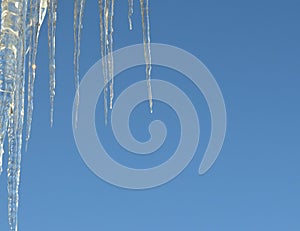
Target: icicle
(14, 27)
(78, 16)
(147, 50)
(130, 13)
(52, 8)
(106, 35)
(103, 55)
(110, 53)
(36, 18)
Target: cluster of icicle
(21, 21)
(106, 13)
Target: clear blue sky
(252, 48)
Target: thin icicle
(103, 55)
(106, 36)
(110, 54)
(37, 14)
(130, 13)
(78, 16)
(52, 9)
(147, 51)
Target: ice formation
(21, 21)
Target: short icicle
(106, 41)
(103, 56)
(52, 17)
(106, 9)
(130, 13)
(147, 51)
(110, 54)
(78, 17)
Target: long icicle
(106, 41)
(130, 13)
(78, 17)
(37, 14)
(103, 54)
(147, 51)
(110, 53)
(16, 117)
(52, 16)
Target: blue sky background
(252, 49)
